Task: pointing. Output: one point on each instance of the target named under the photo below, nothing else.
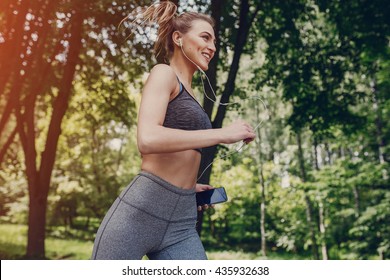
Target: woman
(156, 214)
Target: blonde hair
(165, 15)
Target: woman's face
(199, 43)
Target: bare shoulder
(160, 85)
(163, 75)
(163, 69)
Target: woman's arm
(153, 137)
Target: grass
(13, 241)
(238, 255)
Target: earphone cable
(242, 144)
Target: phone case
(213, 196)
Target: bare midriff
(179, 168)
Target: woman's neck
(183, 69)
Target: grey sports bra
(184, 112)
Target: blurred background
(314, 184)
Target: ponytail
(160, 13)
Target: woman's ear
(176, 37)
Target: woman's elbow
(145, 145)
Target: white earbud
(181, 46)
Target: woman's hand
(236, 131)
(201, 188)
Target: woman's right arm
(153, 137)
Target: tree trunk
(39, 183)
(208, 105)
(356, 196)
(309, 220)
(301, 157)
(36, 225)
(209, 153)
(245, 22)
(262, 188)
(262, 223)
(328, 154)
(316, 164)
(378, 124)
(211, 226)
(309, 207)
(324, 248)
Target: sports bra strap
(181, 86)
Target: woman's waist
(180, 169)
(153, 195)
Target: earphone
(241, 145)
(197, 66)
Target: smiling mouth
(207, 56)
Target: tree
(50, 49)
(237, 43)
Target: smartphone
(213, 196)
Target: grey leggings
(150, 217)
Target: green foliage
(92, 165)
(347, 188)
(321, 67)
(370, 233)
(13, 196)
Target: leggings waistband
(159, 198)
(166, 184)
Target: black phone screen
(213, 196)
